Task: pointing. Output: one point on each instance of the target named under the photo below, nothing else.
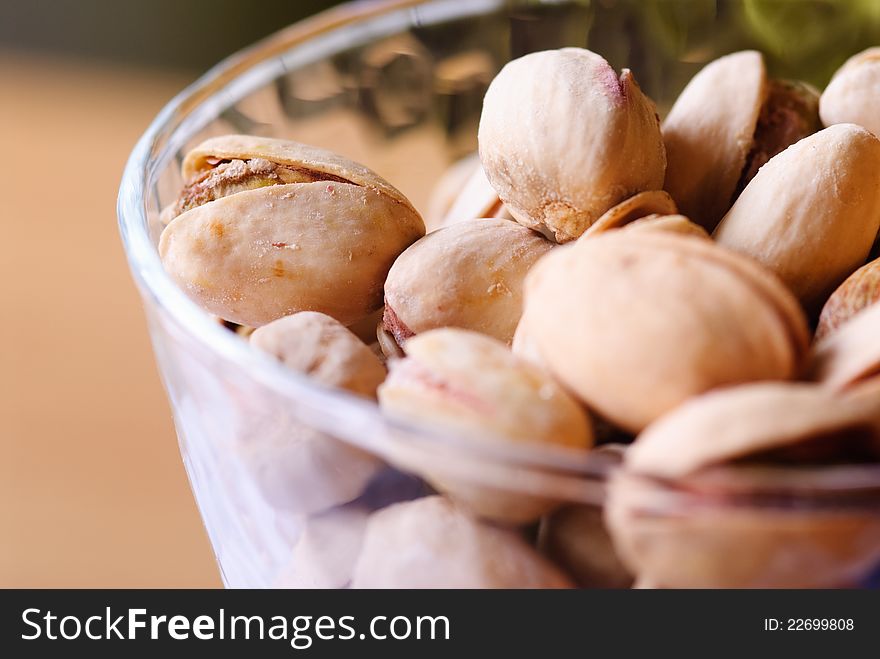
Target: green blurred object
(815, 31)
(680, 26)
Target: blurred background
(92, 489)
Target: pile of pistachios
(695, 297)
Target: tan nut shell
(636, 322)
(321, 347)
(432, 543)
(296, 467)
(563, 139)
(709, 132)
(469, 384)
(851, 354)
(287, 152)
(669, 223)
(861, 289)
(812, 212)
(724, 546)
(652, 202)
(853, 94)
(524, 346)
(468, 275)
(476, 199)
(261, 254)
(724, 425)
(302, 470)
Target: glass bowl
(397, 85)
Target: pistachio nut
(861, 289)
(853, 94)
(301, 470)
(643, 583)
(270, 227)
(471, 385)
(850, 355)
(608, 437)
(482, 264)
(575, 538)
(728, 122)
(651, 202)
(524, 346)
(811, 214)
(562, 139)
(757, 423)
(726, 458)
(636, 322)
(448, 188)
(668, 223)
(434, 543)
(326, 551)
(477, 198)
(297, 467)
(322, 348)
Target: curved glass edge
(780, 488)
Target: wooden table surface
(92, 489)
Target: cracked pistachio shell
(652, 202)
(434, 543)
(311, 160)
(259, 254)
(737, 422)
(471, 385)
(851, 354)
(562, 139)
(468, 275)
(853, 94)
(812, 212)
(861, 289)
(297, 467)
(709, 132)
(636, 322)
(683, 540)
